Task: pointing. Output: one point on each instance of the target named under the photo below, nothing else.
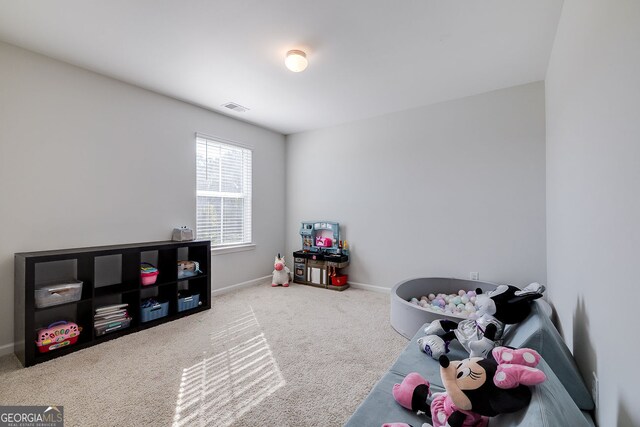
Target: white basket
(59, 293)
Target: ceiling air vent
(235, 107)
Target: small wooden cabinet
(109, 275)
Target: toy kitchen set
(322, 256)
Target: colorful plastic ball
(461, 292)
(432, 297)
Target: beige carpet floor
(262, 356)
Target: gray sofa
(562, 400)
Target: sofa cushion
(538, 332)
(550, 406)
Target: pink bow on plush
(516, 367)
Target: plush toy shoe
(433, 345)
(434, 328)
(413, 393)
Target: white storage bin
(58, 293)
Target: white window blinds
(223, 192)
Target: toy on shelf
(322, 237)
(495, 309)
(182, 234)
(188, 269)
(280, 273)
(56, 335)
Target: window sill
(221, 250)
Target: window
(223, 192)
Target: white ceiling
(366, 57)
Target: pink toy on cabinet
(324, 242)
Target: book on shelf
(111, 318)
(110, 314)
(111, 307)
(111, 322)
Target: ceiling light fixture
(296, 61)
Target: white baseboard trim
(239, 285)
(6, 349)
(369, 287)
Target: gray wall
(593, 195)
(86, 160)
(441, 190)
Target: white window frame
(247, 195)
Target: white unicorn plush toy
(281, 273)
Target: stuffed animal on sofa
(280, 273)
(504, 305)
(413, 394)
(478, 388)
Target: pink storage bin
(148, 274)
(149, 278)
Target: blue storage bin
(188, 302)
(154, 312)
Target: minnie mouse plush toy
(476, 388)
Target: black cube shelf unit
(110, 275)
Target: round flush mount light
(296, 61)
